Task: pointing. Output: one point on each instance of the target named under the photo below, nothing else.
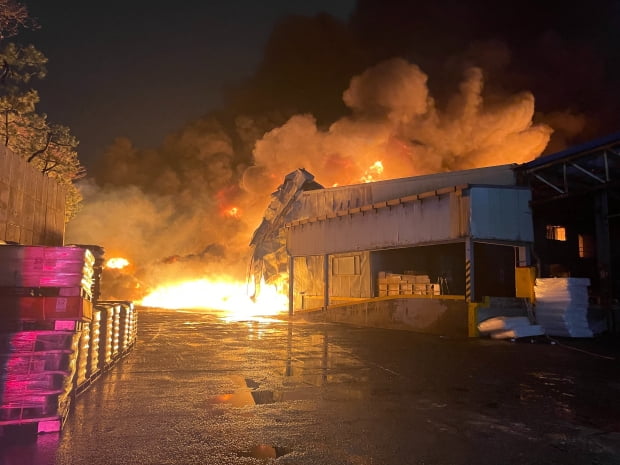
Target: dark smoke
(424, 87)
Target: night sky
(141, 69)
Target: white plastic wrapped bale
(562, 306)
(505, 327)
(519, 331)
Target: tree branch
(41, 151)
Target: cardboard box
(419, 288)
(406, 288)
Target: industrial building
(426, 253)
(576, 216)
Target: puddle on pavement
(264, 451)
(248, 394)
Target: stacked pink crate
(45, 305)
(39, 283)
(37, 373)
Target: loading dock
(453, 235)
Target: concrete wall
(32, 205)
(447, 317)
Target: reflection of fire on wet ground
(264, 451)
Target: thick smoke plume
(396, 121)
(420, 86)
(188, 209)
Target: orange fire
(373, 172)
(233, 212)
(117, 263)
(223, 294)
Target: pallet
(50, 424)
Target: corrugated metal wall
(325, 201)
(501, 214)
(350, 283)
(497, 213)
(309, 282)
(425, 221)
(343, 281)
(32, 205)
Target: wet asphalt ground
(199, 390)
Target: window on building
(556, 233)
(347, 265)
(586, 245)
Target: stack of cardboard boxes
(409, 283)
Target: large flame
(117, 263)
(223, 294)
(373, 172)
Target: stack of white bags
(509, 327)
(562, 306)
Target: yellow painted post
(525, 277)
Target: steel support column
(325, 281)
(603, 247)
(291, 285)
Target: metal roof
(576, 150)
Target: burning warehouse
(412, 252)
(440, 253)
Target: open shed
(412, 252)
(466, 231)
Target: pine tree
(48, 146)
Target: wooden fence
(32, 205)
